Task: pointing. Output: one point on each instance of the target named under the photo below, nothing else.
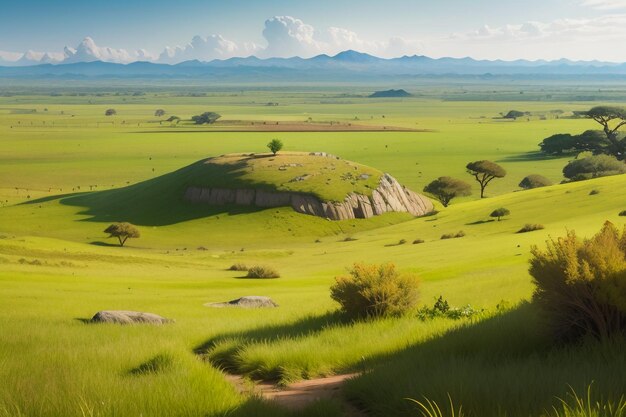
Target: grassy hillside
(57, 267)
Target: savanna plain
(67, 172)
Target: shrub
(594, 192)
(206, 118)
(159, 112)
(238, 267)
(534, 181)
(375, 291)
(110, 112)
(593, 167)
(622, 213)
(499, 213)
(401, 241)
(442, 308)
(529, 227)
(259, 271)
(418, 241)
(581, 285)
(456, 235)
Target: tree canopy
(110, 112)
(611, 118)
(159, 113)
(593, 166)
(445, 189)
(500, 212)
(275, 145)
(590, 140)
(206, 118)
(484, 172)
(122, 231)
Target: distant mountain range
(345, 66)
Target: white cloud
(205, 49)
(605, 4)
(89, 51)
(287, 36)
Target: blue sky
(480, 28)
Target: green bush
(238, 267)
(375, 291)
(594, 192)
(622, 213)
(418, 241)
(581, 285)
(500, 212)
(529, 227)
(534, 181)
(442, 308)
(259, 271)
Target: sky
(173, 31)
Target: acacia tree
(208, 117)
(445, 189)
(122, 231)
(500, 212)
(611, 118)
(484, 172)
(275, 145)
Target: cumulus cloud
(89, 51)
(205, 49)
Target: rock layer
(389, 196)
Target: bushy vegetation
(456, 235)
(593, 166)
(514, 114)
(205, 118)
(159, 112)
(110, 112)
(622, 213)
(534, 181)
(441, 308)
(262, 271)
(531, 227)
(371, 291)
(445, 189)
(590, 140)
(581, 284)
(238, 267)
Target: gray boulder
(128, 317)
(251, 301)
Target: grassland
(67, 171)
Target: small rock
(128, 317)
(251, 301)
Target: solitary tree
(611, 119)
(484, 172)
(501, 212)
(534, 181)
(110, 112)
(445, 189)
(206, 118)
(275, 145)
(122, 231)
(159, 113)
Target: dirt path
(301, 394)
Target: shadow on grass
(477, 222)
(105, 244)
(160, 201)
(531, 157)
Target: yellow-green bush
(375, 291)
(581, 284)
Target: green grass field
(67, 172)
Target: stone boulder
(128, 317)
(251, 301)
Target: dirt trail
(301, 394)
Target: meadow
(67, 171)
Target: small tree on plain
(611, 119)
(275, 145)
(499, 213)
(122, 231)
(445, 189)
(110, 112)
(159, 113)
(484, 172)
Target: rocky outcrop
(127, 317)
(251, 301)
(389, 196)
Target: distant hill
(390, 93)
(345, 66)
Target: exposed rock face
(389, 196)
(251, 301)
(128, 317)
